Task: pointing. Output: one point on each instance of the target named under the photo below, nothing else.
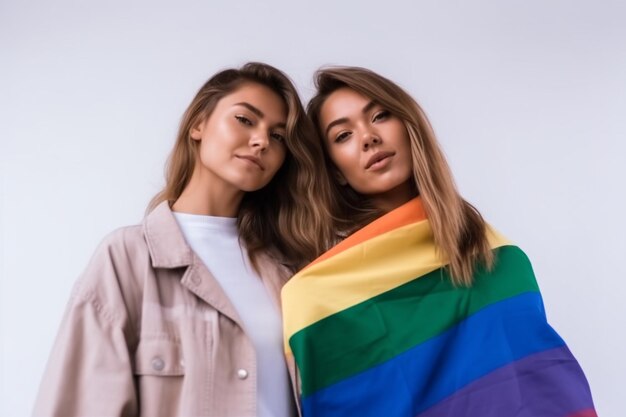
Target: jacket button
(242, 374)
(158, 364)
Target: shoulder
(120, 251)
(508, 254)
(123, 242)
(113, 276)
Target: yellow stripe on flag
(356, 274)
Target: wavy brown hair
(459, 230)
(288, 217)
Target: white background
(528, 99)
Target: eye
(381, 115)
(342, 136)
(243, 120)
(277, 136)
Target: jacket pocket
(159, 355)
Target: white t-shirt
(216, 241)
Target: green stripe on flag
(384, 326)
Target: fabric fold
(376, 328)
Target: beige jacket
(148, 331)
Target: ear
(196, 129)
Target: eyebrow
(369, 106)
(251, 108)
(258, 112)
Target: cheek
(404, 145)
(345, 159)
(280, 160)
(204, 151)
(277, 159)
(207, 150)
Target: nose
(370, 139)
(259, 140)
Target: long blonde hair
(290, 215)
(458, 228)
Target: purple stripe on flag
(546, 384)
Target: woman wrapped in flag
(423, 309)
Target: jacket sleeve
(89, 372)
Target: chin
(382, 187)
(248, 188)
(378, 189)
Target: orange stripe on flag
(410, 212)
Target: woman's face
(242, 143)
(369, 146)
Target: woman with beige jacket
(179, 316)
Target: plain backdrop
(528, 99)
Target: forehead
(343, 102)
(259, 96)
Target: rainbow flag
(377, 329)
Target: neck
(394, 198)
(210, 197)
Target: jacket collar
(166, 243)
(169, 249)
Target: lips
(253, 159)
(377, 157)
